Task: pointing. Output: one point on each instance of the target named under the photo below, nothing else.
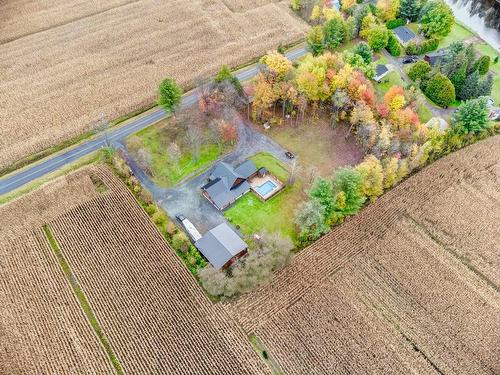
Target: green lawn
(163, 169)
(458, 32)
(413, 27)
(391, 79)
(274, 215)
(424, 113)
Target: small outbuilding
(221, 246)
(404, 35)
(434, 58)
(380, 72)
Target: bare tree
(195, 139)
(175, 153)
(103, 127)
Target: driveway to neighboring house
(397, 65)
(185, 198)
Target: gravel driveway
(186, 198)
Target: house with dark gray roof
(221, 246)
(226, 184)
(380, 72)
(404, 35)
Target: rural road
(16, 180)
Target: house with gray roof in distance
(380, 72)
(226, 184)
(404, 35)
(221, 246)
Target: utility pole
(103, 126)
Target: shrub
(427, 45)
(419, 70)
(180, 241)
(392, 24)
(440, 90)
(393, 45)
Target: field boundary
(82, 299)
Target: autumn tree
(311, 78)
(170, 94)
(390, 172)
(296, 5)
(373, 177)
(350, 182)
(277, 64)
(315, 40)
(388, 9)
(315, 14)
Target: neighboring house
(434, 58)
(404, 35)
(494, 114)
(226, 184)
(221, 246)
(380, 72)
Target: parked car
(409, 59)
(289, 155)
(180, 217)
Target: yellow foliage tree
(277, 63)
(316, 13)
(367, 24)
(390, 172)
(311, 78)
(346, 4)
(402, 170)
(388, 9)
(341, 79)
(331, 13)
(373, 177)
(397, 102)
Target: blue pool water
(266, 188)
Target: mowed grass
(458, 32)
(274, 215)
(391, 79)
(164, 170)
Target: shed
(435, 57)
(404, 35)
(221, 246)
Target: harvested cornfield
(156, 318)
(410, 285)
(42, 328)
(64, 63)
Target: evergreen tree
(470, 87)
(170, 94)
(362, 49)
(350, 182)
(410, 9)
(334, 33)
(472, 116)
(322, 191)
(315, 40)
(459, 75)
(485, 86)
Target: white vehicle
(189, 227)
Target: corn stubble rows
(42, 328)
(55, 82)
(407, 286)
(152, 311)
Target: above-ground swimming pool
(267, 187)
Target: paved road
(18, 179)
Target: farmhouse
(404, 35)
(434, 57)
(380, 72)
(221, 246)
(226, 184)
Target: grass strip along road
(16, 180)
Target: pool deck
(257, 181)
